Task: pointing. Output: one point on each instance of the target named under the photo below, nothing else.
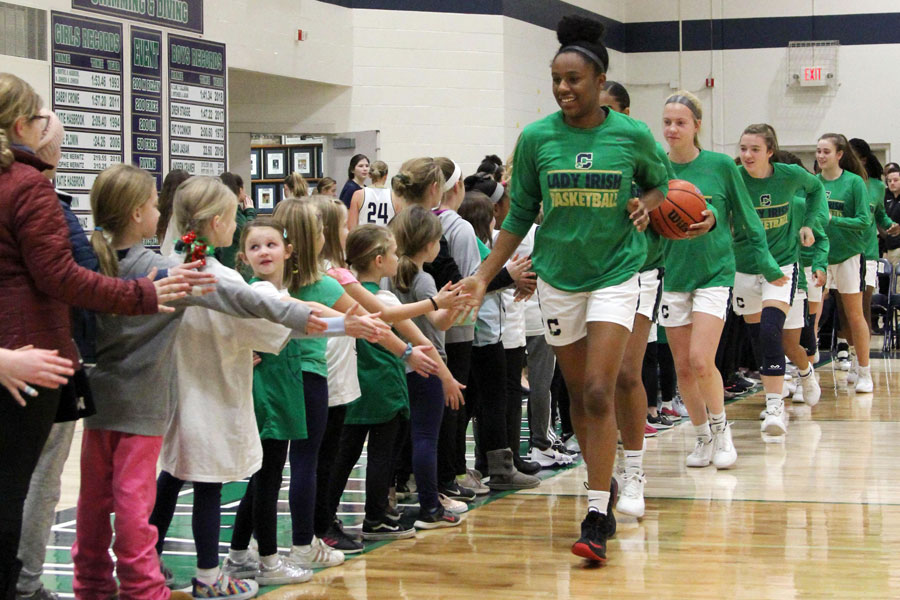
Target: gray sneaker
(41, 593)
(474, 483)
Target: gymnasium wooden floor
(815, 515)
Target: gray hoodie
(134, 382)
(464, 250)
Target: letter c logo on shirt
(584, 160)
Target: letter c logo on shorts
(584, 160)
(739, 301)
(553, 327)
(664, 311)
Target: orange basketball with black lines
(682, 207)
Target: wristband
(433, 303)
(408, 352)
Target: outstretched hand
(168, 289)
(27, 365)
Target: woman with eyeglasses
(40, 280)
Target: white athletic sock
(773, 401)
(841, 340)
(667, 404)
(807, 373)
(238, 556)
(717, 421)
(703, 431)
(598, 500)
(634, 461)
(270, 561)
(865, 371)
(208, 576)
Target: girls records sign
(176, 14)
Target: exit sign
(812, 76)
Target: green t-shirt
(278, 399)
(382, 382)
(878, 215)
(848, 204)
(708, 261)
(583, 179)
(773, 199)
(326, 291)
(655, 245)
(228, 255)
(815, 256)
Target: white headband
(498, 193)
(457, 173)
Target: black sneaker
(437, 519)
(594, 534)
(457, 492)
(386, 529)
(339, 540)
(660, 421)
(523, 465)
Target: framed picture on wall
(255, 166)
(275, 163)
(303, 161)
(265, 196)
(320, 162)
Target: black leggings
(258, 510)
(515, 360)
(327, 452)
(23, 432)
(667, 379)
(487, 388)
(304, 459)
(650, 373)
(379, 465)
(559, 395)
(452, 438)
(205, 520)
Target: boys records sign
(87, 96)
(197, 106)
(146, 101)
(177, 14)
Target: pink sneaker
(650, 430)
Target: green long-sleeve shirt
(817, 253)
(583, 179)
(772, 198)
(879, 217)
(848, 204)
(708, 261)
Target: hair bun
(573, 29)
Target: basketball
(682, 207)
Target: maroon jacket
(39, 279)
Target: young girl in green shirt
(579, 163)
(848, 202)
(772, 187)
(699, 277)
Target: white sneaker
(774, 421)
(631, 498)
(797, 398)
(816, 358)
(865, 385)
(283, 573)
(843, 364)
(762, 415)
(681, 408)
(572, 445)
(319, 555)
(243, 569)
(453, 506)
(549, 457)
(724, 454)
(810, 389)
(702, 453)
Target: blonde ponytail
(197, 201)
(116, 194)
(6, 156)
(296, 185)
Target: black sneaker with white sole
(660, 421)
(339, 540)
(386, 529)
(455, 491)
(438, 518)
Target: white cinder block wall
(750, 84)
